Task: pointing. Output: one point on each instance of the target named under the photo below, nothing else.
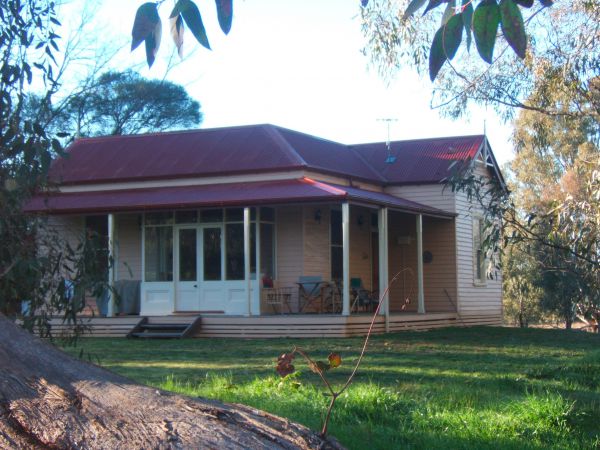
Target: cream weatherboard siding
(289, 248)
(68, 229)
(316, 250)
(483, 301)
(402, 258)
(128, 247)
(435, 195)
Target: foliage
(469, 388)
(147, 26)
(555, 171)
(521, 287)
(33, 261)
(561, 58)
(121, 103)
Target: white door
(212, 286)
(186, 280)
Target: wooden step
(157, 335)
(167, 330)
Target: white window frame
(479, 261)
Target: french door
(199, 268)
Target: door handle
(195, 285)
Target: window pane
(187, 255)
(336, 227)
(186, 217)
(96, 247)
(267, 247)
(212, 215)
(234, 262)
(162, 218)
(267, 214)
(212, 254)
(234, 215)
(337, 262)
(158, 251)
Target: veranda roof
(218, 195)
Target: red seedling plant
(286, 367)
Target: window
(337, 251)
(96, 247)
(267, 249)
(234, 245)
(158, 252)
(478, 253)
(212, 253)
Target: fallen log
(49, 399)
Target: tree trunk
(51, 400)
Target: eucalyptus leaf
(153, 43)
(146, 18)
(448, 12)
(525, 3)
(445, 44)
(177, 30)
(225, 14)
(513, 27)
(412, 8)
(193, 19)
(467, 15)
(433, 4)
(486, 19)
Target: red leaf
(335, 360)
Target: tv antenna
(390, 158)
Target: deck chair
(362, 297)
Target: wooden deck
(277, 326)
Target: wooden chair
(278, 297)
(362, 297)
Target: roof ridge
(368, 164)
(274, 132)
(167, 132)
(419, 139)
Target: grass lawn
(477, 388)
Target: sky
(296, 64)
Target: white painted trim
(421, 294)
(197, 181)
(256, 297)
(382, 223)
(247, 258)
(111, 269)
(346, 258)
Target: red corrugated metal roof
(174, 155)
(253, 149)
(422, 160)
(231, 194)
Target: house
(205, 219)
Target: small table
(310, 292)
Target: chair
(334, 297)
(363, 298)
(277, 297)
(310, 291)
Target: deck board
(293, 326)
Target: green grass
(478, 388)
